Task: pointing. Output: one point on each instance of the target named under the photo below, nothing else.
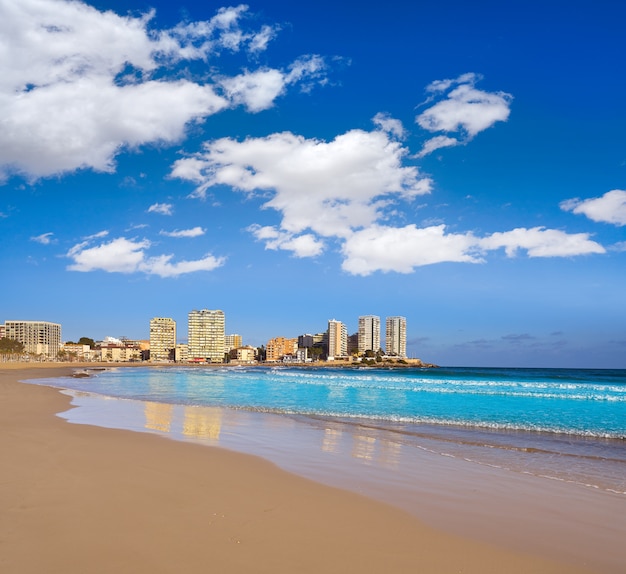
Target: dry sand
(78, 499)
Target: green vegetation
(11, 346)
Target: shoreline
(365, 545)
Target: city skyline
(463, 166)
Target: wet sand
(78, 498)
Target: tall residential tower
(337, 339)
(395, 343)
(369, 333)
(162, 338)
(206, 335)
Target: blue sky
(461, 164)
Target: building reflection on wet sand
(203, 422)
(197, 422)
(158, 416)
(210, 423)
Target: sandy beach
(78, 498)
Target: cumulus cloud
(193, 232)
(327, 187)
(162, 208)
(79, 85)
(390, 125)
(117, 256)
(123, 255)
(540, 242)
(609, 208)
(44, 238)
(346, 191)
(305, 245)
(465, 110)
(402, 249)
(258, 90)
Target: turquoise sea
(564, 424)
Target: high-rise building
(353, 344)
(337, 339)
(369, 333)
(232, 342)
(395, 343)
(206, 335)
(38, 337)
(162, 338)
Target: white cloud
(257, 90)
(200, 40)
(306, 245)
(345, 189)
(162, 267)
(44, 238)
(401, 249)
(117, 256)
(390, 125)
(444, 85)
(162, 208)
(79, 85)
(609, 208)
(466, 110)
(123, 255)
(98, 235)
(436, 143)
(329, 188)
(193, 232)
(348, 188)
(381, 248)
(540, 242)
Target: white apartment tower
(337, 339)
(395, 343)
(206, 335)
(38, 337)
(369, 333)
(162, 338)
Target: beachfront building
(337, 339)
(38, 337)
(313, 346)
(78, 352)
(232, 342)
(245, 354)
(279, 347)
(369, 334)
(162, 339)
(181, 353)
(114, 350)
(395, 343)
(206, 336)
